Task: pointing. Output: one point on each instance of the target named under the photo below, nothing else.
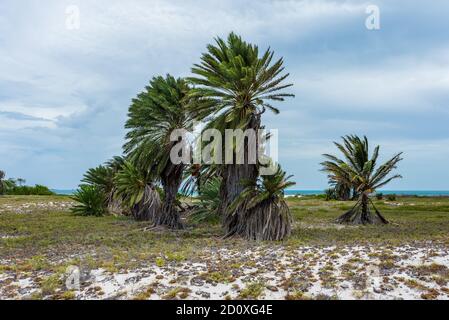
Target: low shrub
(391, 197)
(37, 190)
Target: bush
(391, 197)
(92, 201)
(379, 196)
(37, 190)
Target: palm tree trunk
(149, 208)
(232, 177)
(365, 215)
(361, 213)
(171, 182)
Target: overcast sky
(64, 92)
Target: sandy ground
(33, 206)
(350, 272)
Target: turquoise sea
(422, 193)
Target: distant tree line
(17, 186)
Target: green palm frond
(101, 176)
(91, 201)
(209, 201)
(358, 170)
(265, 188)
(152, 117)
(130, 183)
(233, 81)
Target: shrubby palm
(153, 115)
(103, 178)
(360, 171)
(266, 214)
(136, 189)
(209, 201)
(91, 201)
(236, 85)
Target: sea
(292, 192)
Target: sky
(65, 87)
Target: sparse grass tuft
(252, 291)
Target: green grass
(39, 240)
(412, 218)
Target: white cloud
(384, 87)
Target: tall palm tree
(360, 170)
(237, 83)
(152, 117)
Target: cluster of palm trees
(358, 176)
(231, 88)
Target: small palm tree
(266, 214)
(236, 85)
(355, 151)
(153, 116)
(209, 201)
(360, 171)
(91, 201)
(6, 184)
(103, 178)
(136, 189)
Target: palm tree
(21, 181)
(355, 151)
(236, 85)
(153, 116)
(2, 182)
(267, 215)
(91, 201)
(136, 189)
(6, 184)
(103, 178)
(339, 180)
(360, 170)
